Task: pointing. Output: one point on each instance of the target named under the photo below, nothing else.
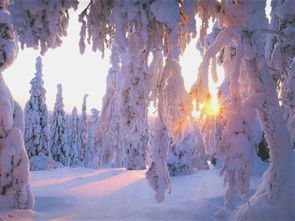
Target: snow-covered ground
(117, 194)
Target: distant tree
(90, 139)
(83, 132)
(188, 154)
(74, 139)
(59, 145)
(36, 117)
(109, 144)
(179, 159)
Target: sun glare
(211, 107)
(214, 107)
(195, 113)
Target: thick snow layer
(166, 12)
(117, 194)
(43, 162)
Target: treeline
(56, 139)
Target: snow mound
(18, 215)
(42, 162)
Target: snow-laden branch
(41, 23)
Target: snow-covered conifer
(133, 47)
(90, 138)
(14, 163)
(108, 140)
(74, 139)
(280, 54)
(137, 29)
(179, 157)
(187, 154)
(172, 100)
(98, 30)
(272, 198)
(82, 133)
(36, 117)
(59, 145)
(235, 125)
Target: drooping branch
(41, 23)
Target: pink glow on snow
(66, 217)
(104, 187)
(64, 179)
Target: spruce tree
(74, 140)
(59, 145)
(90, 139)
(83, 130)
(36, 117)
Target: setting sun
(211, 107)
(214, 106)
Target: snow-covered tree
(14, 163)
(187, 154)
(135, 89)
(137, 29)
(59, 145)
(280, 55)
(235, 124)
(109, 142)
(82, 133)
(41, 23)
(133, 51)
(36, 117)
(275, 193)
(90, 139)
(74, 139)
(179, 159)
(172, 101)
(162, 29)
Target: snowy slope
(117, 194)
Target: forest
(200, 155)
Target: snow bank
(18, 215)
(42, 162)
(117, 194)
